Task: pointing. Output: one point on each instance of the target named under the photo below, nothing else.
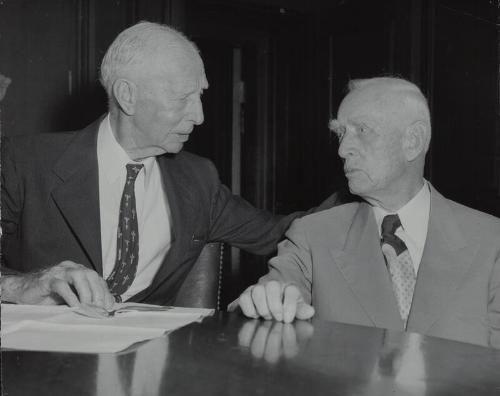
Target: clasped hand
(273, 300)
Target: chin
(356, 187)
(174, 148)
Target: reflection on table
(230, 355)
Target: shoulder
(31, 142)
(190, 162)
(462, 224)
(338, 218)
(38, 148)
(474, 221)
(191, 168)
(47, 147)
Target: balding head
(384, 129)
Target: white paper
(58, 328)
(12, 314)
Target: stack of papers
(61, 329)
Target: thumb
(304, 311)
(233, 305)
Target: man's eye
(363, 129)
(340, 132)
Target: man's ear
(415, 140)
(125, 93)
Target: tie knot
(133, 170)
(390, 224)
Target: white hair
(410, 94)
(138, 45)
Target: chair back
(202, 286)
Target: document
(63, 329)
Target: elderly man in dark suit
(117, 211)
(403, 258)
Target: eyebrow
(335, 125)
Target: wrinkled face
(369, 128)
(168, 105)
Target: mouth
(351, 173)
(184, 134)
(348, 171)
(183, 137)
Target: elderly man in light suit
(405, 257)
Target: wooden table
(230, 355)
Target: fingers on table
(246, 303)
(260, 301)
(62, 289)
(304, 311)
(274, 300)
(89, 286)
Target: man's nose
(346, 146)
(197, 112)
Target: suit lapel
(446, 259)
(183, 215)
(77, 195)
(362, 265)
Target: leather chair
(202, 286)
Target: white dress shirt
(414, 218)
(153, 214)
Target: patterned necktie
(399, 264)
(127, 243)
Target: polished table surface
(230, 355)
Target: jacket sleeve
(11, 209)
(494, 303)
(293, 264)
(236, 222)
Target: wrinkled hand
(277, 300)
(273, 340)
(67, 282)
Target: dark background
(277, 71)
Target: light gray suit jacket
(335, 258)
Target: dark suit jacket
(50, 209)
(335, 258)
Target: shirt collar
(414, 215)
(112, 158)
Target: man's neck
(395, 200)
(119, 128)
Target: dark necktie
(127, 243)
(399, 264)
